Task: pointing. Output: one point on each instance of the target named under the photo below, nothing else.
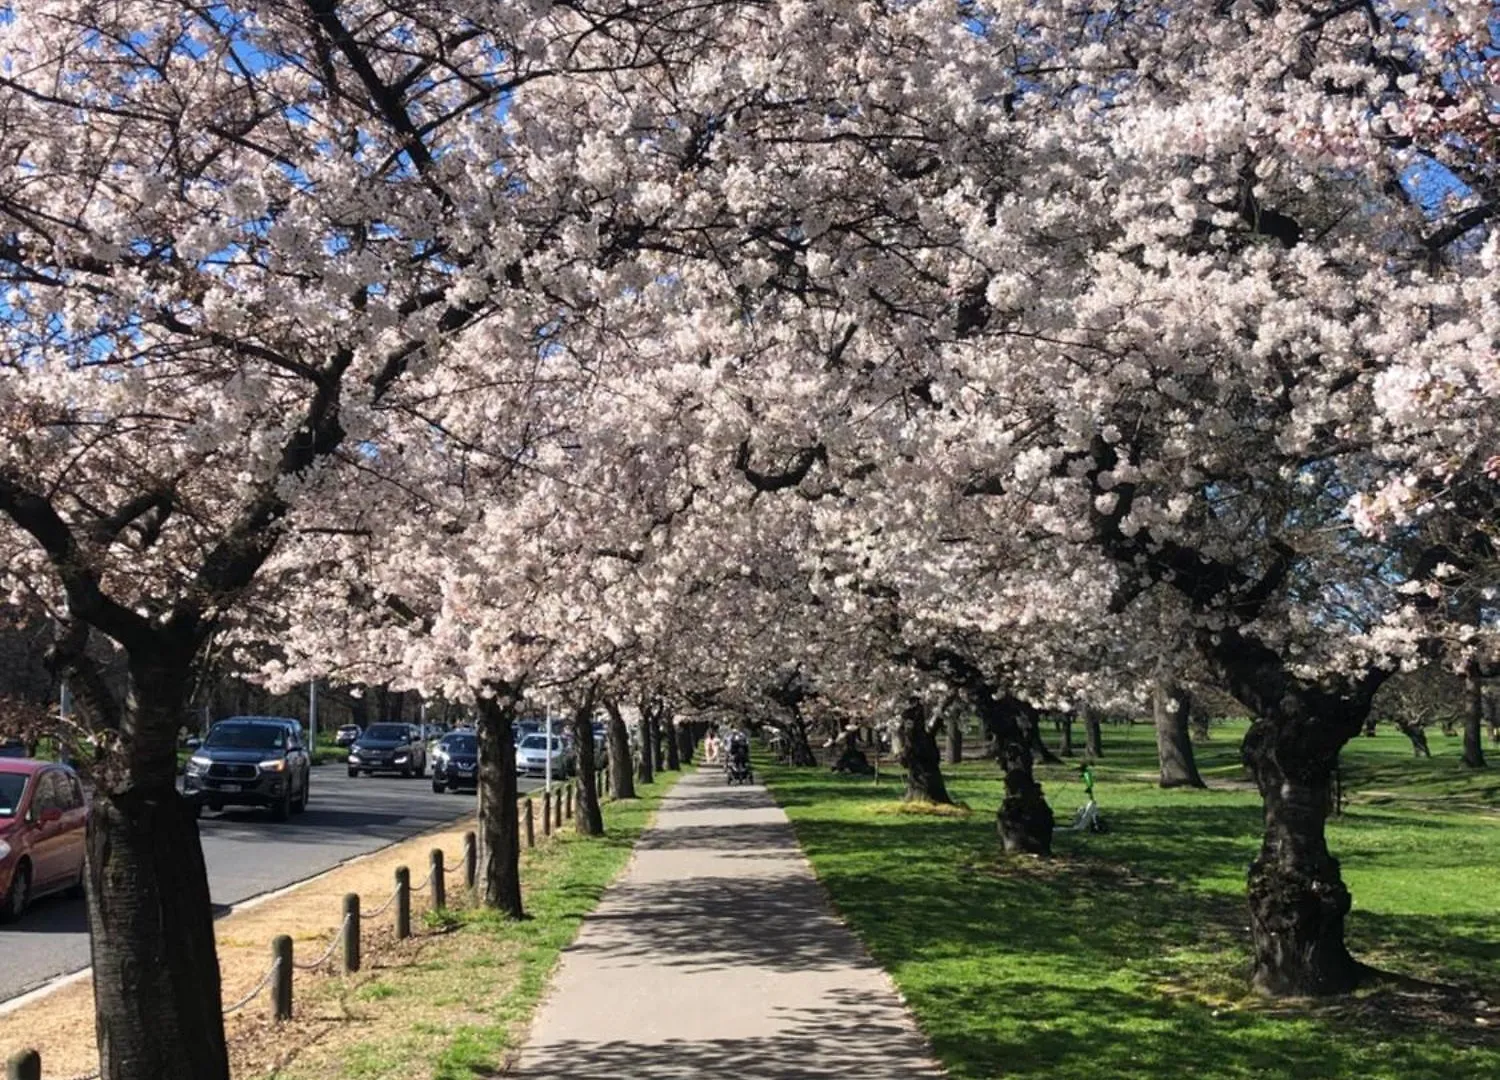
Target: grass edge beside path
(460, 1004)
(1126, 957)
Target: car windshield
(461, 744)
(387, 732)
(535, 742)
(12, 786)
(247, 736)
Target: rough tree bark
(1474, 718)
(1093, 740)
(1039, 748)
(1024, 821)
(687, 741)
(1065, 745)
(587, 818)
(799, 748)
(955, 732)
(499, 839)
(1171, 706)
(621, 768)
(919, 757)
(156, 973)
(674, 745)
(646, 767)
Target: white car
(531, 756)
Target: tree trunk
(647, 770)
(955, 732)
(674, 744)
(1474, 719)
(687, 743)
(1024, 821)
(621, 773)
(1065, 747)
(1297, 898)
(799, 749)
(1040, 749)
(1171, 706)
(156, 973)
(499, 836)
(586, 816)
(658, 759)
(1418, 736)
(1093, 742)
(919, 757)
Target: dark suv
(389, 748)
(250, 761)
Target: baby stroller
(737, 761)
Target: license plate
(463, 771)
(229, 787)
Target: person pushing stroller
(737, 760)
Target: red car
(42, 819)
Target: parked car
(42, 819)
(456, 763)
(251, 761)
(347, 735)
(389, 747)
(520, 729)
(12, 748)
(531, 756)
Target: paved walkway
(716, 955)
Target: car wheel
(301, 803)
(19, 897)
(353, 772)
(282, 808)
(438, 787)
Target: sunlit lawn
(1127, 955)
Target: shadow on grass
(1127, 956)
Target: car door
(48, 831)
(75, 831)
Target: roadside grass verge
(453, 1002)
(1127, 955)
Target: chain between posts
(383, 908)
(338, 936)
(264, 982)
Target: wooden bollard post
(530, 821)
(546, 812)
(351, 933)
(24, 1065)
(568, 801)
(471, 860)
(403, 903)
(439, 886)
(281, 982)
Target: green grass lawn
(1127, 955)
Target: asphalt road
(248, 854)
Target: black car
(347, 735)
(389, 748)
(250, 761)
(456, 763)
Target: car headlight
(355, 749)
(274, 765)
(4, 851)
(197, 763)
(402, 756)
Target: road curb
(67, 979)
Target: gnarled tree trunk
(1024, 821)
(687, 741)
(1065, 746)
(156, 972)
(499, 839)
(955, 732)
(1474, 718)
(799, 749)
(1171, 707)
(1297, 897)
(621, 770)
(919, 757)
(1418, 736)
(587, 818)
(1039, 749)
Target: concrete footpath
(716, 955)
